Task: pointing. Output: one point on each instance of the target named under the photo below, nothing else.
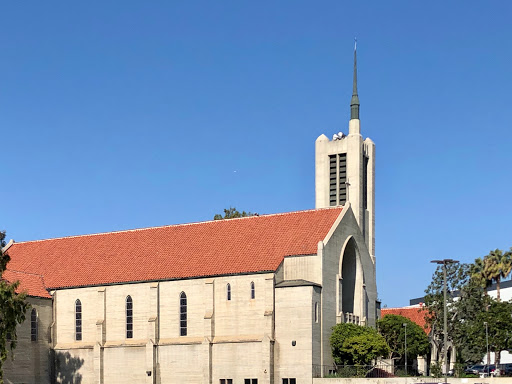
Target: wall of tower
(360, 177)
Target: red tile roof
(30, 283)
(413, 313)
(245, 245)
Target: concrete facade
(276, 324)
(241, 338)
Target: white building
(249, 300)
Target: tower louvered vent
(337, 179)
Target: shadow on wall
(66, 368)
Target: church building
(240, 301)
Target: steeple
(354, 102)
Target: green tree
(467, 314)
(391, 327)
(468, 333)
(499, 323)
(232, 213)
(12, 309)
(457, 276)
(365, 348)
(354, 344)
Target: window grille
(365, 182)
(183, 314)
(78, 320)
(342, 174)
(33, 325)
(129, 317)
(332, 180)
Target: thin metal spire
(354, 102)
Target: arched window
(316, 312)
(78, 320)
(253, 290)
(228, 291)
(129, 317)
(33, 325)
(183, 314)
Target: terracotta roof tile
(245, 245)
(413, 313)
(30, 283)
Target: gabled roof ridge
(175, 225)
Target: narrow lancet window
(33, 325)
(183, 314)
(253, 291)
(129, 317)
(228, 291)
(78, 320)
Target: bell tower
(345, 170)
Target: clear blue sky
(119, 115)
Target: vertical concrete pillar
(150, 360)
(100, 335)
(209, 329)
(267, 346)
(269, 331)
(369, 233)
(206, 351)
(53, 325)
(355, 171)
(153, 329)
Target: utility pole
(487, 344)
(405, 325)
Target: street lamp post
(405, 325)
(444, 262)
(487, 344)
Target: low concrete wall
(415, 380)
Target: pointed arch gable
(351, 279)
(344, 239)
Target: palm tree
(507, 263)
(480, 273)
(500, 266)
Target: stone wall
(32, 361)
(231, 339)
